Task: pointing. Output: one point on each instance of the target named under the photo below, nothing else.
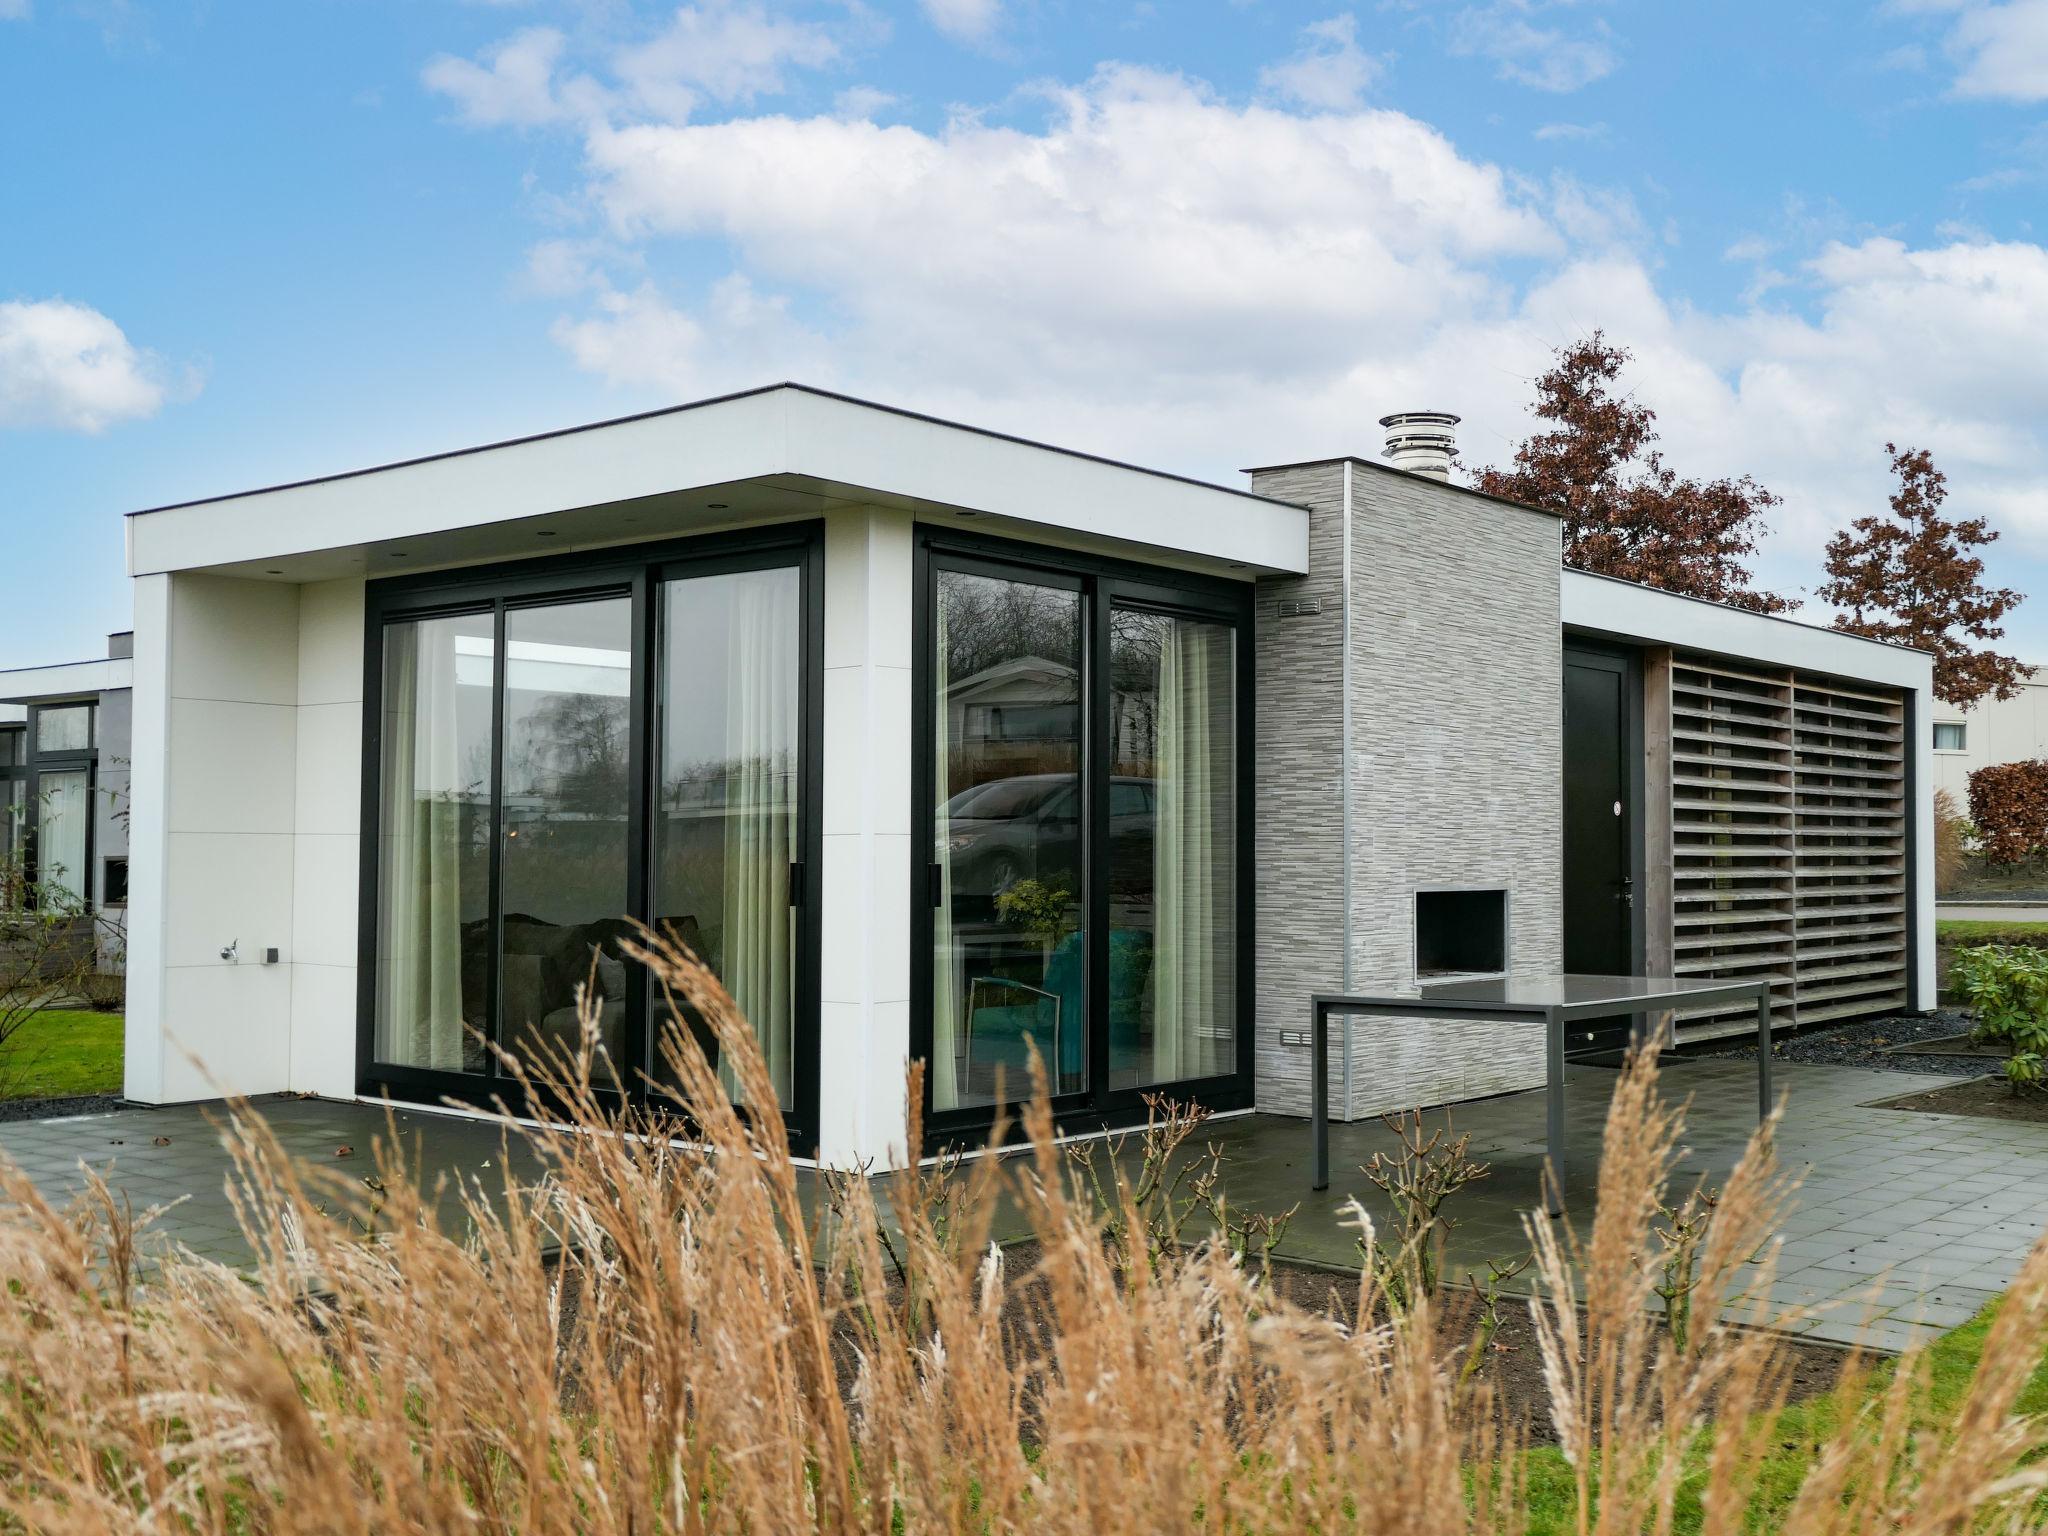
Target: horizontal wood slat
(1785, 798)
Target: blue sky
(248, 242)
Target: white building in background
(940, 744)
(1992, 731)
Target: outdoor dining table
(1556, 1002)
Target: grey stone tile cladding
(1456, 742)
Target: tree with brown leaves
(1626, 512)
(1910, 578)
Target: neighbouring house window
(434, 842)
(63, 820)
(1009, 939)
(13, 814)
(63, 728)
(728, 825)
(1172, 848)
(1950, 736)
(114, 883)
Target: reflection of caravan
(1003, 831)
(1016, 714)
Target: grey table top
(1540, 994)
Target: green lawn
(1988, 930)
(1951, 1361)
(61, 1052)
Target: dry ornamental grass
(699, 1358)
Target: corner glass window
(1950, 736)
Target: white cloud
(965, 21)
(67, 366)
(513, 87)
(728, 50)
(1583, 131)
(864, 102)
(2000, 47)
(14, 10)
(1166, 275)
(1330, 71)
(1546, 58)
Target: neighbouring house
(942, 744)
(1990, 731)
(64, 767)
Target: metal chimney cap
(1422, 442)
(1421, 419)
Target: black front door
(1599, 817)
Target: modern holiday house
(941, 744)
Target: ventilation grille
(1788, 825)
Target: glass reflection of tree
(573, 750)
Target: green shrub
(2007, 985)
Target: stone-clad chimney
(1422, 442)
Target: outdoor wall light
(231, 951)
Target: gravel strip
(58, 1109)
(1868, 1042)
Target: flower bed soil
(1987, 1098)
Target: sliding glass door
(1083, 778)
(728, 822)
(558, 757)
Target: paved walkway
(1909, 1222)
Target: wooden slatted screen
(1782, 801)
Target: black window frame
(635, 571)
(1103, 583)
(36, 763)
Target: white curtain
(1194, 856)
(762, 695)
(66, 804)
(420, 1015)
(943, 1070)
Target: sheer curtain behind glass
(1173, 860)
(729, 820)
(62, 817)
(433, 908)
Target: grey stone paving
(1905, 1225)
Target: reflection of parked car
(1028, 827)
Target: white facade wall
(326, 838)
(864, 981)
(212, 852)
(1994, 731)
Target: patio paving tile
(1904, 1223)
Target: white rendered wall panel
(142, 1052)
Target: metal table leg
(1319, 1091)
(1763, 1054)
(1553, 1079)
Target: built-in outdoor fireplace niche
(1460, 932)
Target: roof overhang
(1623, 610)
(777, 453)
(71, 680)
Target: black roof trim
(693, 405)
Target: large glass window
(1086, 834)
(1172, 848)
(434, 948)
(727, 823)
(568, 721)
(571, 757)
(1009, 950)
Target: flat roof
(812, 448)
(1381, 467)
(1628, 610)
(66, 680)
